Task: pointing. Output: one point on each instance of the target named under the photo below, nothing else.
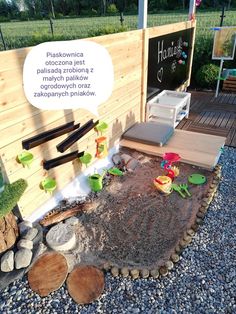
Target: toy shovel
(176, 188)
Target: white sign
(68, 75)
(224, 43)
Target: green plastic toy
(184, 187)
(115, 172)
(25, 158)
(49, 185)
(197, 179)
(101, 127)
(86, 159)
(177, 188)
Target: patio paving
(210, 115)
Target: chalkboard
(168, 61)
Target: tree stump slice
(85, 284)
(48, 273)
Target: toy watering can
(95, 181)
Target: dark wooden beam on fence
(52, 163)
(49, 135)
(75, 136)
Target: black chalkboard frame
(169, 61)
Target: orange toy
(101, 147)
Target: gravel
(203, 281)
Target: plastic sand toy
(49, 185)
(25, 158)
(197, 179)
(163, 184)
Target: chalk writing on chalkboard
(168, 61)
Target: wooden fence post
(51, 26)
(3, 41)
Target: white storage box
(168, 107)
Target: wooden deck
(210, 115)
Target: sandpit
(131, 226)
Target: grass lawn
(22, 34)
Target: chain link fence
(28, 33)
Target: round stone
(191, 232)
(154, 273)
(144, 273)
(163, 271)
(134, 273)
(195, 227)
(174, 257)
(115, 271)
(61, 237)
(200, 214)
(107, 266)
(207, 200)
(204, 204)
(177, 248)
(183, 243)
(169, 265)
(199, 221)
(124, 272)
(203, 209)
(188, 239)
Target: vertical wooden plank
(144, 74)
(191, 55)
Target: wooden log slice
(85, 284)
(48, 273)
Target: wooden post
(142, 14)
(222, 15)
(218, 79)
(192, 9)
(142, 24)
(191, 55)
(144, 75)
(51, 25)
(3, 41)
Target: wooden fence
(20, 120)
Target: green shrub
(207, 75)
(109, 29)
(11, 195)
(112, 9)
(4, 19)
(57, 15)
(24, 16)
(202, 52)
(42, 37)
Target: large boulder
(8, 232)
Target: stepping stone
(48, 273)
(85, 284)
(61, 237)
